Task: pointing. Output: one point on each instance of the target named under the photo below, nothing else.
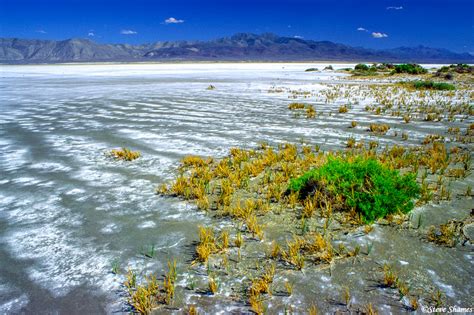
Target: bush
(366, 185)
(430, 85)
(443, 69)
(364, 70)
(462, 68)
(361, 67)
(449, 76)
(459, 68)
(409, 68)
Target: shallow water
(67, 211)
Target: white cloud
(41, 31)
(91, 34)
(128, 32)
(379, 35)
(395, 8)
(362, 29)
(172, 20)
(298, 37)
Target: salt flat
(67, 211)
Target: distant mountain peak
(240, 46)
(244, 36)
(79, 40)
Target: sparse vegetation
(146, 296)
(296, 205)
(445, 234)
(458, 68)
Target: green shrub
(459, 68)
(430, 85)
(366, 185)
(361, 67)
(409, 68)
(364, 70)
(444, 69)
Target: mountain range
(239, 47)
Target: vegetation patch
(290, 207)
(271, 228)
(430, 85)
(379, 128)
(362, 69)
(365, 185)
(124, 154)
(298, 107)
(459, 68)
(147, 295)
(295, 106)
(451, 233)
(411, 68)
(343, 109)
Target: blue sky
(375, 24)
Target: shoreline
(171, 62)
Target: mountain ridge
(238, 47)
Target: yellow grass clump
(294, 106)
(379, 128)
(124, 154)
